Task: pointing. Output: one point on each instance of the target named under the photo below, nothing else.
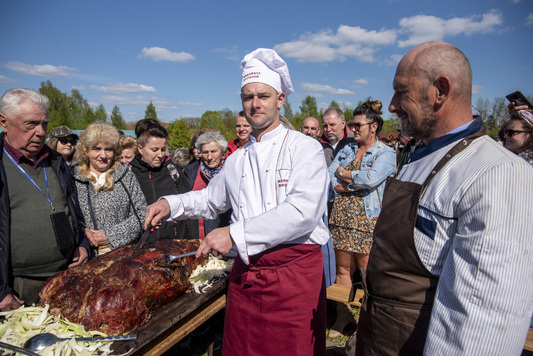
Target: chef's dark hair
(372, 111)
(146, 128)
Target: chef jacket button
(242, 205)
(274, 143)
(244, 175)
(268, 169)
(269, 203)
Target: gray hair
(338, 112)
(181, 157)
(13, 98)
(210, 136)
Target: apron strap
(458, 148)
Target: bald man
(450, 267)
(310, 127)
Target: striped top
(474, 230)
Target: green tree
(287, 110)
(348, 113)
(116, 119)
(215, 120)
(88, 118)
(150, 112)
(334, 104)
(493, 113)
(78, 106)
(308, 108)
(100, 114)
(179, 134)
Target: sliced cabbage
(21, 324)
(204, 276)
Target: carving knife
(143, 239)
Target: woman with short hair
(212, 147)
(111, 199)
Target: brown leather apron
(399, 289)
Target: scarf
(209, 173)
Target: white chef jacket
(475, 232)
(277, 188)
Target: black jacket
(69, 192)
(166, 179)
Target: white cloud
(327, 46)
(45, 70)
(120, 88)
(4, 79)
(232, 53)
(185, 103)
(393, 60)
(477, 89)
(78, 87)
(119, 100)
(529, 20)
(325, 89)
(163, 54)
(360, 82)
(423, 28)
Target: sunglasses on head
(511, 133)
(357, 125)
(65, 140)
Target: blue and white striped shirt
(475, 231)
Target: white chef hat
(265, 66)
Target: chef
(277, 186)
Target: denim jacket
(377, 164)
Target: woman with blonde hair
(111, 199)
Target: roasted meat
(115, 293)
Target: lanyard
(47, 195)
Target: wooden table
(175, 320)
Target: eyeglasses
(65, 140)
(511, 133)
(357, 125)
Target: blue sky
(185, 56)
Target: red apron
(399, 289)
(277, 304)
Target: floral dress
(351, 230)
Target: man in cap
(310, 127)
(40, 231)
(276, 297)
(243, 131)
(449, 272)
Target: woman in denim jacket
(358, 175)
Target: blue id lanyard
(47, 195)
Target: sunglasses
(65, 140)
(357, 125)
(511, 133)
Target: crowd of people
(436, 229)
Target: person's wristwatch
(341, 173)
